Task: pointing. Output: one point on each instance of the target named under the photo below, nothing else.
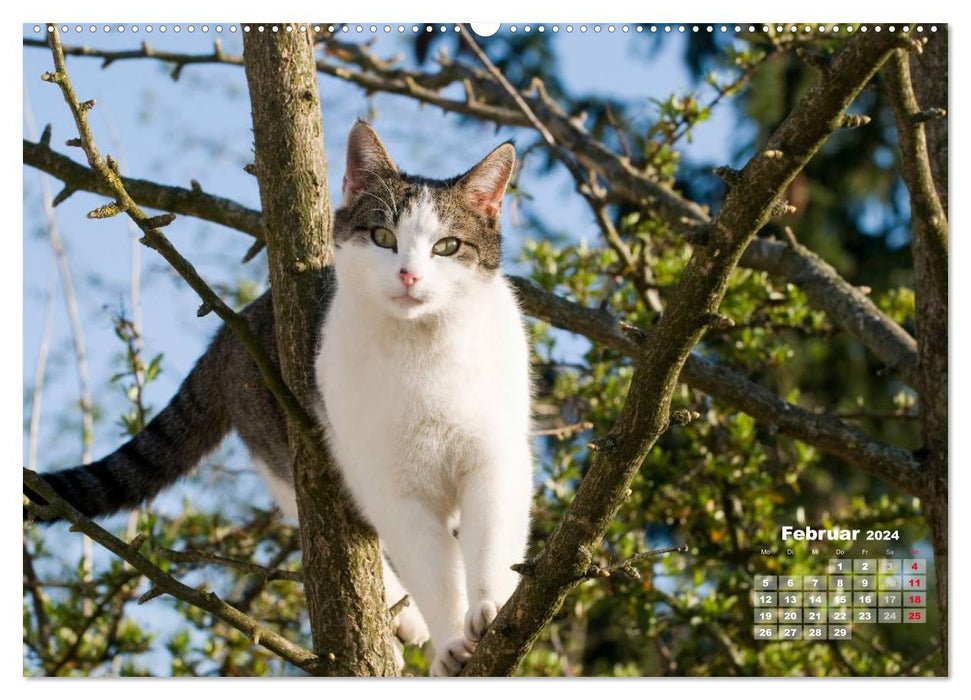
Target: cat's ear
(485, 183)
(367, 160)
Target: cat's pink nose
(407, 278)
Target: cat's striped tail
(190, 426)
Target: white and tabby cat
(422, 369)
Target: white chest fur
(411, 405)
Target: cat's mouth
(407, 301)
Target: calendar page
(845, 594)
(576, 349)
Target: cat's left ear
(367, 160)
(485, 183)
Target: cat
(422, 369)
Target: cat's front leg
(429, 564)
(494, 532)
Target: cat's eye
(446, 246)
(383, 237)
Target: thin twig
(38, 599)
(134, 287)
(628, 565)
(564, 430)
(256, 585)
(179, 60)
(643, 276)
(77, 338)
(194, 556)
(91, 617)
(399, 606)
(513, 93)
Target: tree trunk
(341, 561)
(929, 244)
(929, 70)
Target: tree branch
(929, 74)
(180, 60)
(164, 583)
(894, 464)
(188, 556)
(178, 200)
(645, 415)
(629, 565)
(845, 305)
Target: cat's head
(412, 246)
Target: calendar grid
(827, 606)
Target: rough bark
(929, 231)
(341, 562)
(930, 77)
(693, 308)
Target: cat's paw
(479, 617)
(410, 627)
(450, 660)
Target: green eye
(446, 247)
(383, 237)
